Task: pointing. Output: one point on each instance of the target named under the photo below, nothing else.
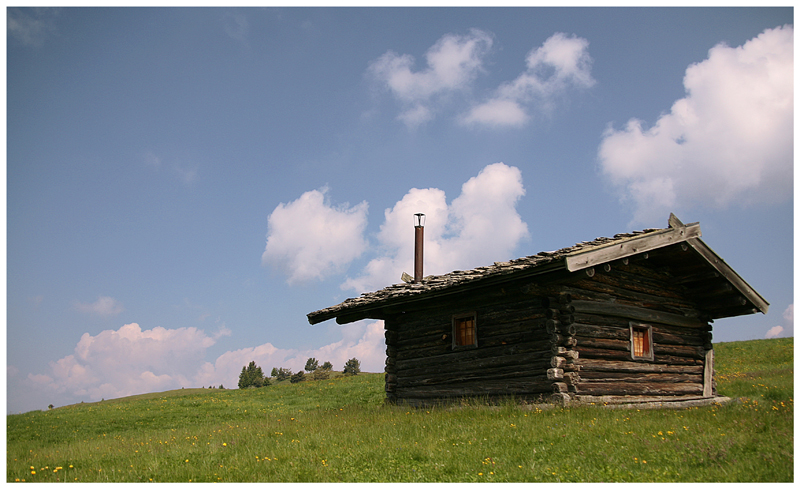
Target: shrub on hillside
(311, 364)
(323, 372)
(281, 373)
(298, 377)
(352, 367)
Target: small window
(641, 341)
(464, 331)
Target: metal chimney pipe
(419, 231)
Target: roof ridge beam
(633, 246)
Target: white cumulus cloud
(787, 329)
(310, 240)
(103, 306)
(453, 62)
(729, 141)
(559, 63)
(479, 227)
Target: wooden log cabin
(614, 320)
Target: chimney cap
(419, 220)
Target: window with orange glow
(464, 331)
(641, 341)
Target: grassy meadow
(341, 430)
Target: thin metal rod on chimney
(419, 231)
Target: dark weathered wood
(567, 341)
(697, 352)
(603, 365)
(479, 388)
(607, 354)
(636, 313)
(597, 376)
(638, 245)
(487, 372)
(475, 359)
(457, 378)
(726, 271)
(623, 345)
(633, 287)
(612, 332)
(713, 290)
(597, 326)
(665, 338)
(559, 375)
(628, 388)
(697, 275)
(444, 353)
(533, 329)
(726, 303)
(553, 326)
(733, 312)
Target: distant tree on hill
(311, 364)
(274, 372)
(352, 367)
(281, 373)
(298, 377)
(327, 365)
(252, 376)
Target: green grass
(341, 430)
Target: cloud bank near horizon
(130, 361)
(730, 141)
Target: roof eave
(376, 309)
(729, 274)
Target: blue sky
(185, 185)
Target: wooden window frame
(645, 333)
(455, 322)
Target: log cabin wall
(512, 355)
(606, 302)
(567, 337)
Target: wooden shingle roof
(740, 299)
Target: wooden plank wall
(511, 359)
(604, 306)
